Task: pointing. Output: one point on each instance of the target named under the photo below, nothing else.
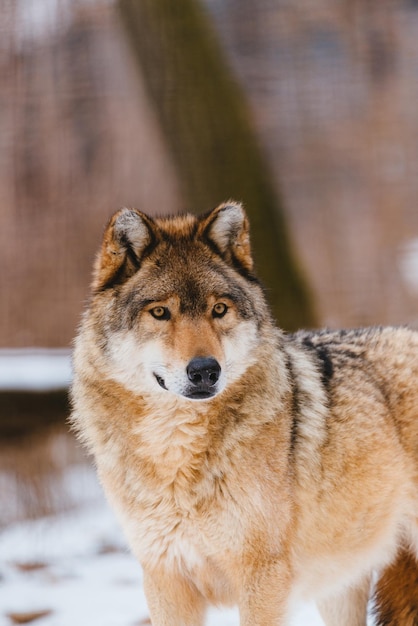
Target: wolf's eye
(160, 313)
(219, 309)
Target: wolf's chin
(200, 395)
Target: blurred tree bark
(208, 129)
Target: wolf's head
(175, 303)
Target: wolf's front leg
(348, 608)
(265, 598)
(173, 601)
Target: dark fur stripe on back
(324, 359)
(295, 403)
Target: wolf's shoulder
(358, 340)
(354, 348)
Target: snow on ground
(35, 369)
(76, 568)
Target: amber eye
(160, 313)
(219, 309)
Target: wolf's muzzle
(203, 373)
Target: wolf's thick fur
(246, 465)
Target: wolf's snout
(203, 372)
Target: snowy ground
(34, 369)
(74, 569)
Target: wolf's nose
(203, 371)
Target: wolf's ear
(227, 227)
(127, 237)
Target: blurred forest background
(332, 93)
(307, 111)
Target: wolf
(246, 465)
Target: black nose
(203, 371)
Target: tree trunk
(207, 125)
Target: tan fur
(348, 608)
(295, 479)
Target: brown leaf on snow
(27, 617)
(30, 566)
(109, 548)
